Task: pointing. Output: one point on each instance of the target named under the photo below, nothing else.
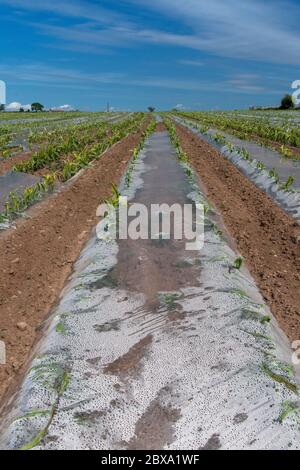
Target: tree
(37, 107)
(2, 107)
(151, 109)
(287, 102)
(21, 110)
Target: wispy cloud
(196, 34)
(53, 76)
(46, 74)
(71, 9)
(246, 82)
(250, 30)
(192, 63)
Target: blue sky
(197, 54)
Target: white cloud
(179, 107)
(251, 29)
(64, 107)
(45, 75)
(248, 83)
(15, 106)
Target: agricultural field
(150, 229)
(277, 129)
(19, 133)
(56, 154)
(103, 312)
(264, 146)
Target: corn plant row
(252, 129)
(20, 201)
(150, 129)
(64, 144)
(88, 154)
(182, 156)
(260, 166)
(284, 118)
(47, 134)
(55, 131)
(17, 116)
(44, 121)
(184, 159)
(69, 142)
(44, 129)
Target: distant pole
(108, 107)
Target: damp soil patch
(154, 429)
(109, 280)
(130, 364)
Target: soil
(276, 146)
(22, 157)
(129, 364)
(160, 127)
(267, 238)
(37, 256)
(8, 164)
(154, 429)
(263, 141)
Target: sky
(190, 54)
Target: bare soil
(263, 141)
(8, 164)
(268, 239)
(37, 256)
(154, 429)
(129, 364)
(160, 127)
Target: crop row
(89, 153)
(59, 129)
(245, 155)
(73, 143)
(150, 129)
(20, 201)
(248, 128)
(43, 130)
(17, 116)
(12, 126)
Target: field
(279, 130)
(57, 153)
(138, 343)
